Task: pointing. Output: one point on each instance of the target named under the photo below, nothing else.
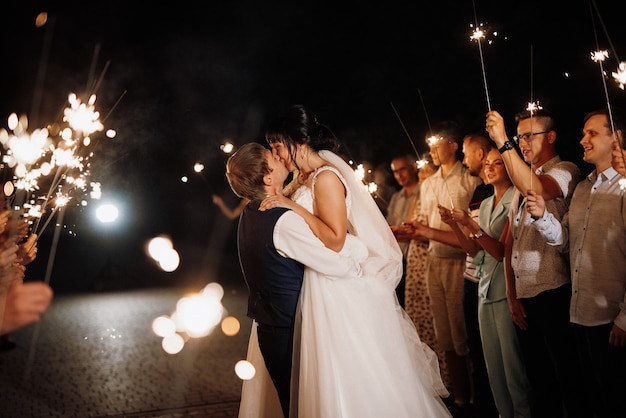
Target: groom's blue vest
(274, 282)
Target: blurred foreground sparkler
(55, 155)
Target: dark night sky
(193, 75)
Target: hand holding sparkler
(618, 156)
(23, 303)
(535, 204)
(496, 129)
(4, 219)
(417, 231)
(402, 232)
(27, 250)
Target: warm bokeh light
(227, 147)
(213, 290)
(41, 19)
(107, 213)
(173, 344)
(230, 326)
(163, 326)
(169, 260)
(244, 370)
(199, 314)
(159, 245)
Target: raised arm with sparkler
(536, 136)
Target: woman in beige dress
(417, 301)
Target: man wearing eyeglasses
(537, 275)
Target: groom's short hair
(245, 170)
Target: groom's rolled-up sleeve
(294, 239)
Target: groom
(274, 247)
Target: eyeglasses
(527, 136)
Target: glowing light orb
(41, 19)
(198, 167)
(169, 260)
(173, 344)
(227, 147)
(199, 314)
(214, 290)
(158, 246)
(107, 213)
(244, 370)
(359, 172)
(163, 326)
(9, 188)
(230, 326)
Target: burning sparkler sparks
(421, 164)
(599, 56)
(477, 35)
(620, 75)
(533, 107)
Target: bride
(356, 352)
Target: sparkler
(405, 131)
(599, 56)
(37, 155)
(620, 75)
(477, 35)
(371, 187)
(421, 162)
(83, 121)
(532, 108)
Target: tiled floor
(95, 355)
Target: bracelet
(477, 235)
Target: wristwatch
(508, 145)
(477, 234)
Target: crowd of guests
(516, 265)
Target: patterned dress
(417, 301)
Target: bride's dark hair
(299, 125)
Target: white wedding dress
(356, 352)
